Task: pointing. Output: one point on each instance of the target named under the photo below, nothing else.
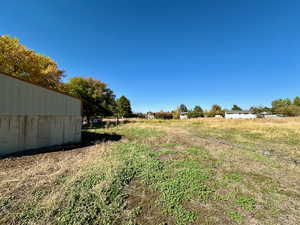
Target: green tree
(260, 109)
(123, 107)
(196, 112)
(21, 62)
(292, 110)
(97, 99)
(175, 114)
(297, 101)
(163, 115)
(182, 108)
(236, 108)
(280, 106)
(281, 103)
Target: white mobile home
(240, 114)
(183, 115)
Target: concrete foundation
(20, 133)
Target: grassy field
(202, 171)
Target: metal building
(240, 114)
(34, 117)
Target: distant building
(93, 121)
(150, 116)
(240, 114)
(183, 116)
(270, 115)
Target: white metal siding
(21, 98)
(240, 116)
(34, 117)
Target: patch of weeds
(201, 152)
(30, 212)
(88, 182)
(246, 202)
(182, 215)
(61, 179)
(169, 152)
(83, 205)
(177, 181)
(129, 150)
(237, 217)
(81, 208)
(135, 212)
(121, 178)
(196, 151)
(233, 176)
(152, 172)
(38, 194)
(6, 202)
(183, 181)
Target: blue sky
(161, 53)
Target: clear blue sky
(165, 52)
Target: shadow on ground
(88, 139)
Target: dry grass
(23, 179)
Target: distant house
(270, 115)
(183, 116)
(218, 116)
(240, 114)
(150, 116)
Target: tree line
(284, 107)
(97, 99)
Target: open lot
(201, 171)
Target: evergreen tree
(236, 108)
(182, 108)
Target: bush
(163, 115)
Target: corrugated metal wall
(21, 98)
(35, 117)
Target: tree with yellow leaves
(21, 62)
